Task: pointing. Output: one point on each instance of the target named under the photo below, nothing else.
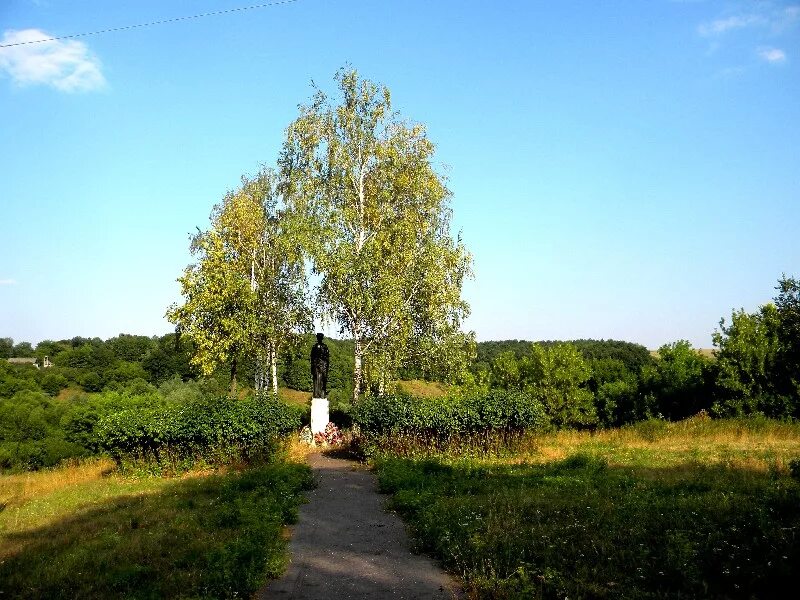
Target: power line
(151, 23)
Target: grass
(89, 531)
(423, 389)
(297, 397)
(698, 508)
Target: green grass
(694, 509)
(90, 532)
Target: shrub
(195, 429)
(52, 383)
(456, 415)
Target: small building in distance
(23, 361)
(30, 361)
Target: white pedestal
(320, 416)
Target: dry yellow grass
(696, 441)
(298, 451)
(69, 394)
(17, 489)
(294, 396)
(424, 389)
(707, 352)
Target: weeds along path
(346, 546)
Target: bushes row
(196, 428)
(37, 430)
(496, 410)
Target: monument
(320, 358)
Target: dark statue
(319, 367)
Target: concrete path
(346, 546)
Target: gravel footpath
(346, 546)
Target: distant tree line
(755, 369)
(135, 363)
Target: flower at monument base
(330, 437)
(306, 436)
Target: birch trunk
(357, 369)
(273, 365)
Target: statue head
(320, 337)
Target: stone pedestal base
(320, 415)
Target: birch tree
(377, 218)
(246, 292)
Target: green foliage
(679, 383)
(556, 376)
(15, 378)
(632, 356)
(53, 382)
(787, 369)
(450, 416)
(362, 184)
(126, 371)
(130, 348)
(88, 356)
(218, 427)
(31, 435)
(22, 350)
(246, 292)
(170, 356)
(794, 468)
(80, 419)
(505, 371)
(758, 358)
(51, 348)
(91, 381)
(617, 400)
(748, 353)
(177, 391)
(37, 430)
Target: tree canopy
(378, 220)
(246, 292)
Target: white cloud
(66, 65)
(765, 16)
(8, 282)
(772, 55)
(721, 26)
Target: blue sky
(624, 170)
